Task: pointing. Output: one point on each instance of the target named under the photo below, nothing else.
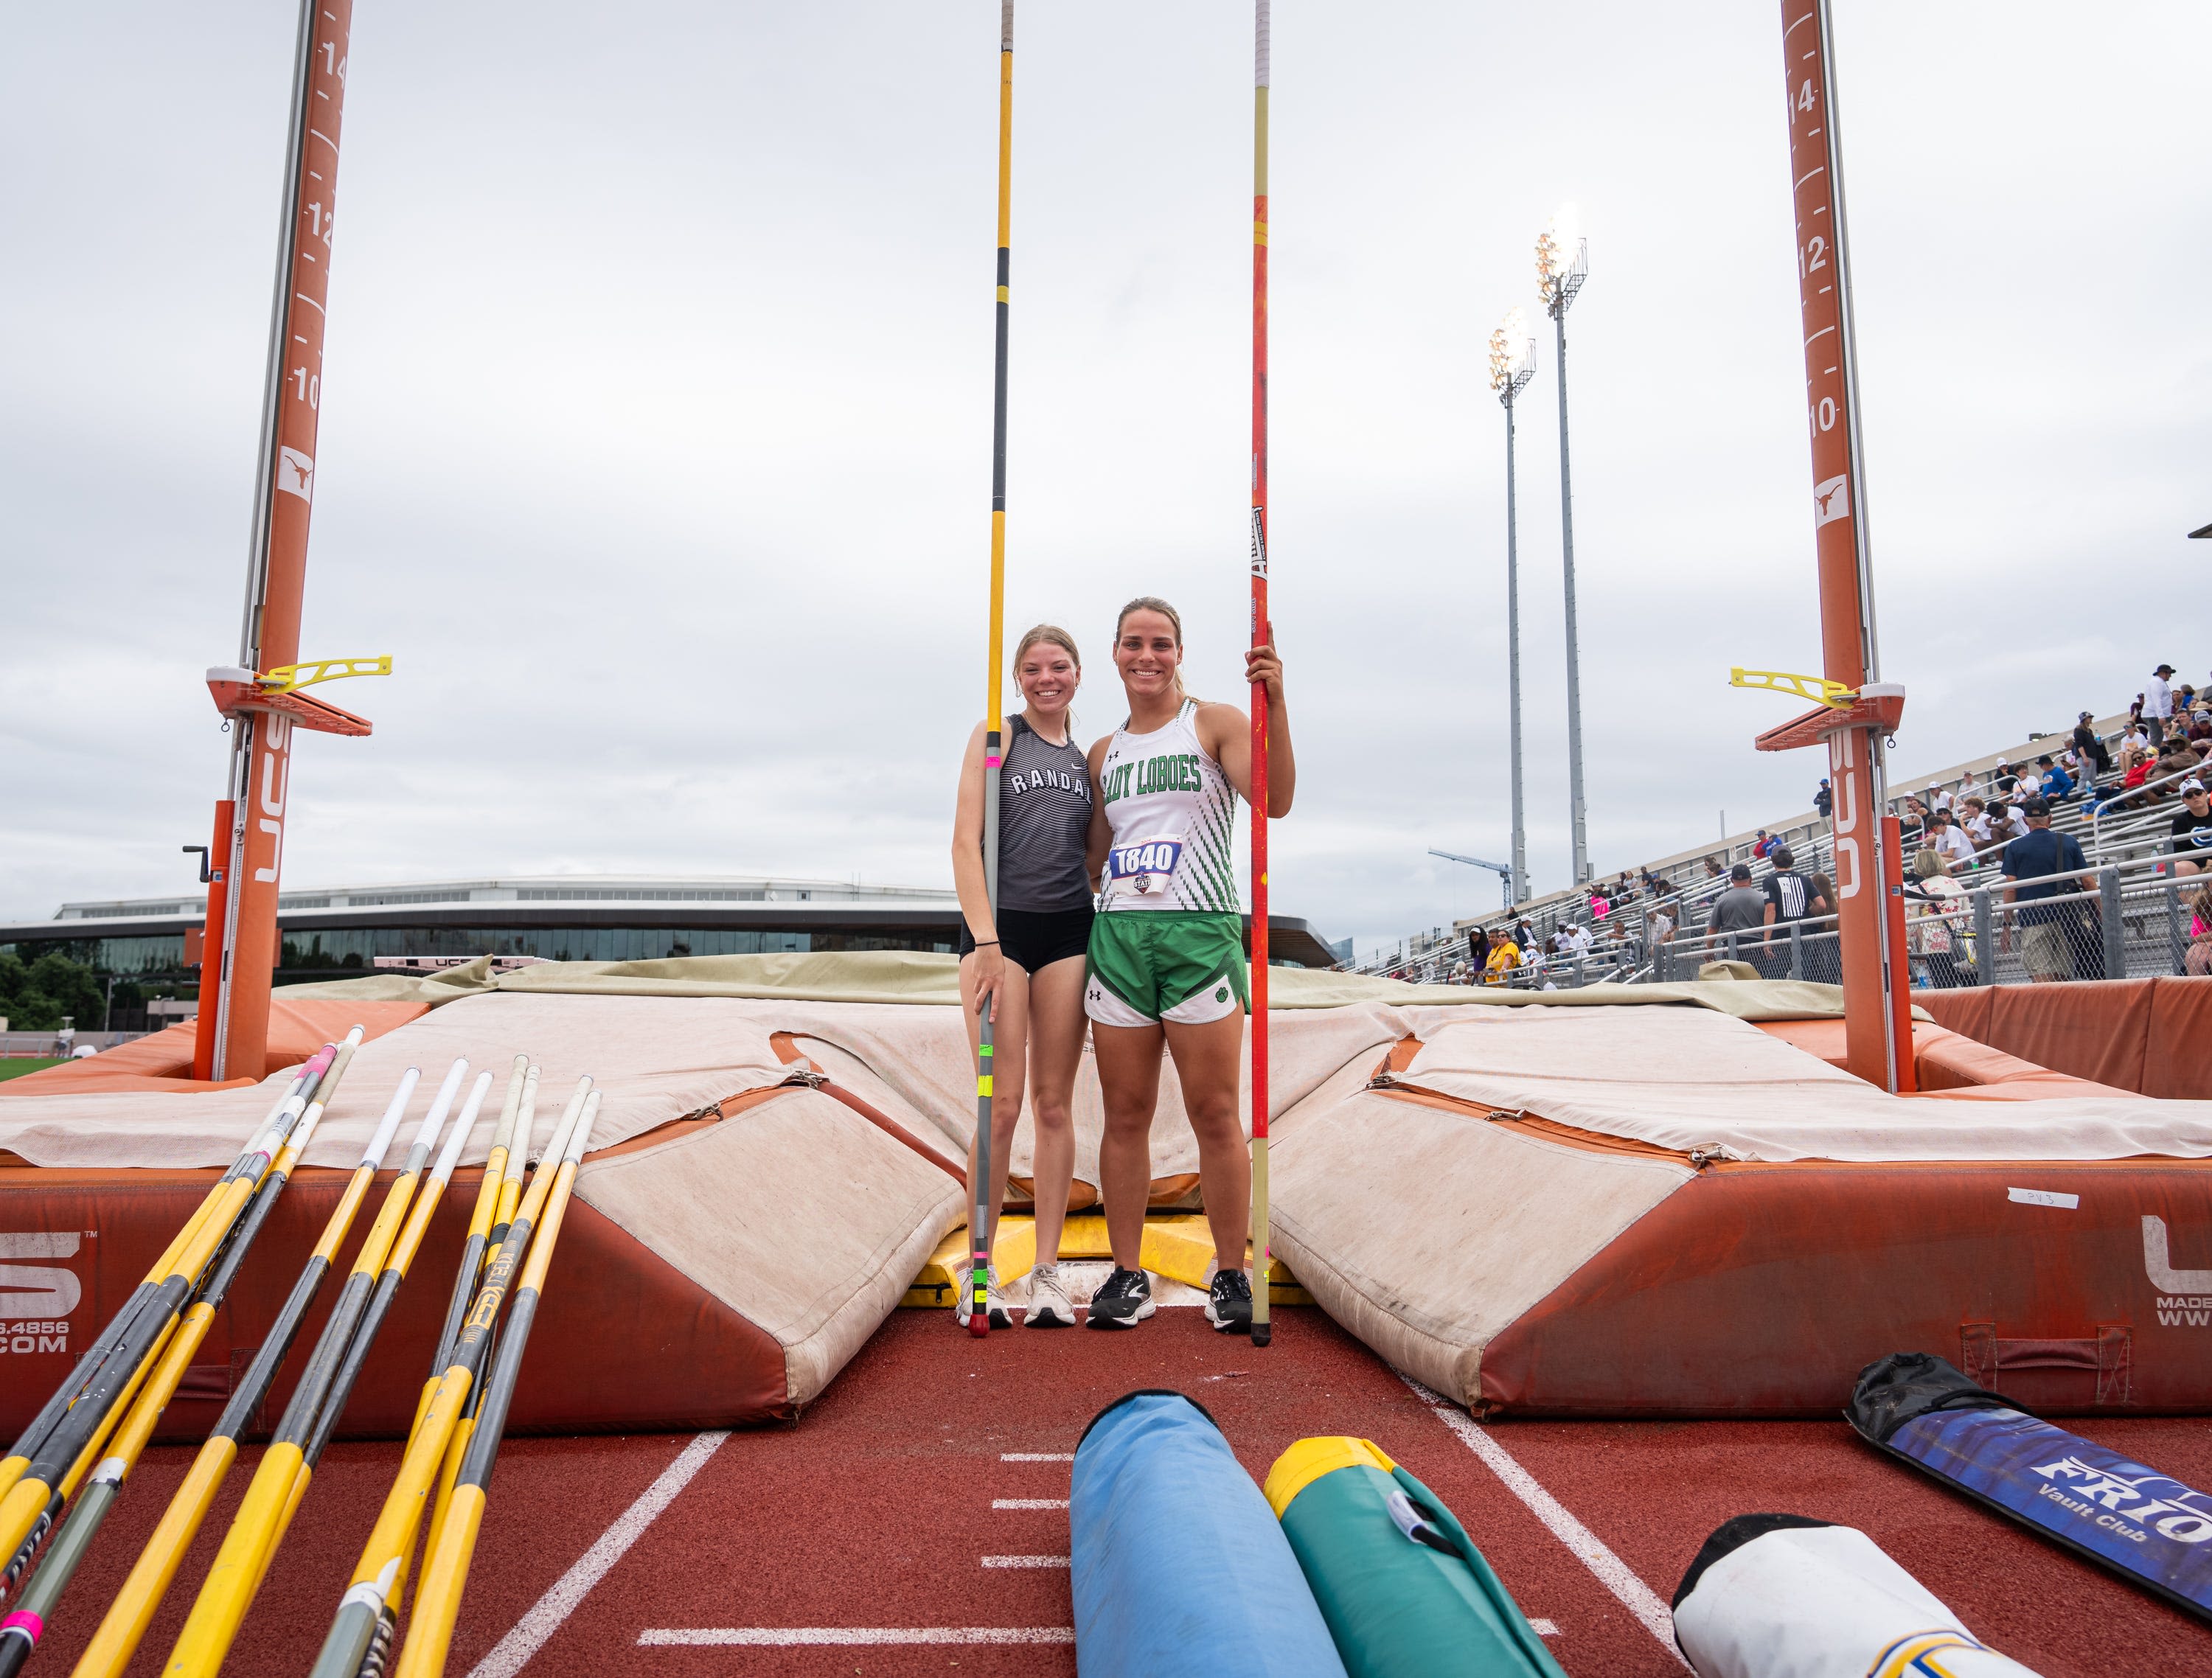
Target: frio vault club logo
(2184, 1296)
(36, 1300)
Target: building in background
(346, 930)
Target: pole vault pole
(241, 948)
(1877, 1028)
(1263, 633)
(979, 1220)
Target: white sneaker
(996, 1315)
(1049, 1305)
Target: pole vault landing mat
(913, 1522)
(1646, 1205)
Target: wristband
(983, 943)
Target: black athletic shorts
(1034, 940)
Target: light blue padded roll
(1178, 1565)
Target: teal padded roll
(1177, 1564)
(1405, 1591)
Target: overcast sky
(656, 413)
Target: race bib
(1143, 870)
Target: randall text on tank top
(1044, 823)
(1173, 814)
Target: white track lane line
(532, 1631)
(1036, 1456)
(804, 1637)
(1614, 1574)
(1025, 1561)
(1029, 1502)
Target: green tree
(36, 997)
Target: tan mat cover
(1425, 1231)
(655, 1058)
(909, 978)
(1702, 1083)
(794, 1212)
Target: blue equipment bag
(2143, 1524)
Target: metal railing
(2108, 920)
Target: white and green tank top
(1173, 814)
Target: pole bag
(1175, 1560)
(1784, 1596)
(1404, 1590)
(2145, 1526)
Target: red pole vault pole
(1877, 1012)
(1262, 633)
(240, 950)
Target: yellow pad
(1308, 1460)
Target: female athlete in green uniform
(1026, 961)
(1167, 951)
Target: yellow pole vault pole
(510, 1192)
(227, 1591)
(480, 1221)
(266, 1140)
(453, 1538)
(979, 1216)
(24, 1507)
(1263, 633)
(34, 1609)
(132, 1611)
(377, 1573)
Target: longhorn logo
(1831, 499)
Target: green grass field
(13, 1066)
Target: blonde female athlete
(1167, 951)
(1026, 961)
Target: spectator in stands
(2134, 738)
(2177, 755)
(1523, 936)
(1936, 799)
(1478, 948)
(1504, 957)
(1600, 904)
(2092, 748)
(1789, 897)
(2158, 703)
(2003, 779)
(1974, 819)
(1740, 908)
(1824, 801)
(2192, 830)
(1913, 822)
(1936, 920)
(2197, 963)
(2046, 947)
(2058, 785)
(1658, 928)
(1761, 845)
(1713, 869)
(1946, 837)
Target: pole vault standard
(1263, 633)
(979, 1216)
(240, 946)
(1870, 918)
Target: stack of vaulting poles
(97, 1423)
(92, 1432)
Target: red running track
(876, 1511)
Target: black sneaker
(1229, 1302)
(1124, 1301)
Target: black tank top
(1044, 820)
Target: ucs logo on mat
(36, 1300)
(2184, 1296)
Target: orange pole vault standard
(240, 942)
(1877, 1013)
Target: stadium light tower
(1512, 365)
(1562, 265)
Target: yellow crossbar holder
(1818, 688)
(1179, 1247)
(288, 677)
